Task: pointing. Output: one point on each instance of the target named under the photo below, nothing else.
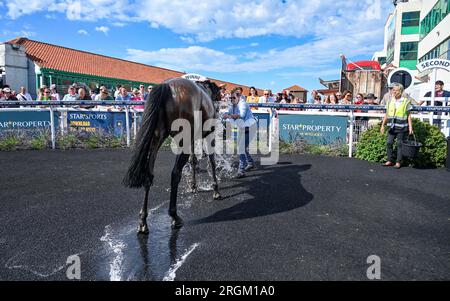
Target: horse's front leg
(180, 161)
(212, 162)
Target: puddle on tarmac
(129, 256)
(157, 256)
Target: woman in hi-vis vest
(399, 123)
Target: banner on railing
(25, 120)
(314, 129)
(89, 121)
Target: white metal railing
(355, 129)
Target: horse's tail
(139, 173)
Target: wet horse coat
(173, 99)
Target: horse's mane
(215, 90)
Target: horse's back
(188, 98)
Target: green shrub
(93, 141)
(372, 146)
(301, 146)
(68, 141)
(40, 141)
(115, 142)
(9, 143)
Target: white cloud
(190, 58)
(215, 19)
(315, 55)
(118, 24)
(50, 16)
(19, 33)
(17, 8)
(82, 32)
(332, 26)
(188, 40)
(103, 29)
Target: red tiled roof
(76, 61)
(296, 88)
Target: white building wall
(438, 35)
(426, 7)
(15, 64)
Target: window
(440, 51)
(408, 50)
(410, 22)
(382, 60)
(434, 17)
(408, 54)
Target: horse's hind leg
(194, 165)
(143, 228)
(180, 161)
(212, 162)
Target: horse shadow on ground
(272, 190)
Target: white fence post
(127, 124)
(433, 94)
(134, 124)
(52, 127)
(350, 138)
(272, 120)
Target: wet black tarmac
(306, 218)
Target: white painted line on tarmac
(13, 264)
(116, 246)
(171, 273)
(151, 211)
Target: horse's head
(212, 89)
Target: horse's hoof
(217, 196)
(177, 223)
(143, 229)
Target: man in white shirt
(72, 95)
(267, 98)
(23, 95)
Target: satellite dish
(402, 76)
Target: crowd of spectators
(338, 98)
(76, 92)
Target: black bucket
(410, 148)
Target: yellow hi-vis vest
(398, 117)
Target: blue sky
(266, 43)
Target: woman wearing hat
(8, 96)
(54, 92)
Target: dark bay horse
(174, 99)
